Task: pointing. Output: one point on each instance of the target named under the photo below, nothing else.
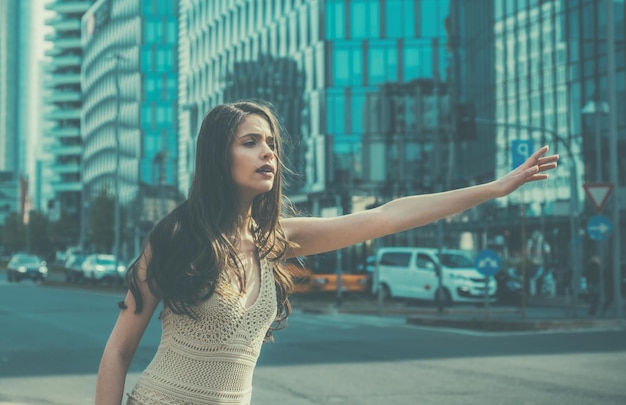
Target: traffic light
(466, 122)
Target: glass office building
(128, 122)
(543, 64)
(339, 55)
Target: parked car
(103, 267)
(23, 265)
(412, 272)
(73, 268)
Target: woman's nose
(268, 152)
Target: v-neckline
(241, 300)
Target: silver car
(102, 267)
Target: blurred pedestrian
(608, 286)
(216, 262)
(592, 274)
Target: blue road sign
(487, 262)
(520, 151)
(599, 227)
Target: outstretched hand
(532, 169)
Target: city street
(52, 339)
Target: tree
(101, 222)
(14, 233)
(64, 232)
(38, 235)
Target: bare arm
(123, 341)
(317, 235)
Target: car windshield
(456, 261)
(105, 260)
(28, 260)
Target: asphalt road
(51, 340)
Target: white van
(411, 272)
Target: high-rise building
(128, 121)
(537, 71)
(337, 54)
(16, 81)
(9, 77)
(64, 94)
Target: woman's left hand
(532, 169)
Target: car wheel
(443, 297)
(385, 291)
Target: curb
(502, 325)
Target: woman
(215, 262)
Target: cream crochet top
(209, 360)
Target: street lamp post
(596, 108)
(116, 221)
(574, 212)
(616, 256)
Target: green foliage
(64, 232)
(38, 240)
(101, 223)
(101, 233)
(14, 233)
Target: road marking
(469, 332)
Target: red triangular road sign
(598, 193)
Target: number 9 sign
(520, 151)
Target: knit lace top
(209, 360)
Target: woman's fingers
(547, 159)
(547, 166)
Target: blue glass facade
(372, 43)
(159, 66)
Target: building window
(399, 19)
(147, 59)
(347, 65)
(335, 19)
(357, 112)
(382, 63)
(147, 115)
(164, 116)
(336, 112)
(171, 32)
(364, 19)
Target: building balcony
(68, 7)
(63, 61)
(66, 168)
(60, 45)
(61, 25)
(53, 20)
(69, 78)
(64, 114)
(65, 186)
(68, 132)
(65, 150)
(63, 96)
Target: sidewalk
(540, 313)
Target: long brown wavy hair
(196, 242)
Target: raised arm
(317, 235)
(124, 339)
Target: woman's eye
(272, 146)
(249, 143)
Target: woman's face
(254, 165)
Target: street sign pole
(615, 215)
(521, 150)
(487, 263)
(599, 193)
